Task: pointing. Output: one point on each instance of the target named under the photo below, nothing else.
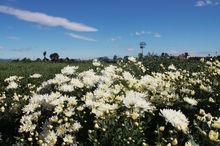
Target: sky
(93, 28)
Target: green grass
(47, 69)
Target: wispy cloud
(44, 19)
(202, 3)
(157, 35)
(80, 37)
(12, 37)
(130, 49)
(22, 49)
(140, 33)
(113, 39)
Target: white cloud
(80, 37)
(140, 33)
(157, 35)
(116, 38)
(12, 37)
(202, 3)
(130, 49)
(44, 19)
(22, 49)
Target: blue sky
(92, 28)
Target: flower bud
(213, 136)
(30, 139)
(202, 112)
(161, 128)
(65, 119)
(174, 142)
(96, 125)
(216, 125)
(136, 124)
(40, 141)
(144, 144)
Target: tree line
(55, 57)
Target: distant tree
(26, 59)
(54, 57)
(61, 60)
(186, 54)
(105, 59)
(67, 59)
(16, 60)
(115, 58)
(149, 54)
(38, 59)
(126, 58)
(45, 53)
(165, 55)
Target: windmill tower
(142, 46)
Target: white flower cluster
(54, 127)
(136, 101)
(35, 76)
(12, 82)
(132, 59)
(190, 101)
(69, 70)
(54, 111)
(96, 63)
(176, 118)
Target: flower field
(126, 103)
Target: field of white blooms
(114, 105)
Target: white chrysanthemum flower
(11, 78)
(176, 118)
(59, 79)
(76, 83)
(172, 67)
(51, 138)
(68, 139)
(136, 100)
(35, 76)
(76, 126)
(132, 59)
(89, 77)
(191, 101)
(30, 108)
(66, 88)
(185, 90)
(26, 124)
(69, 70)
(96, 62)
(69, 112)
(12, 85)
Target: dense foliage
(128, 103)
